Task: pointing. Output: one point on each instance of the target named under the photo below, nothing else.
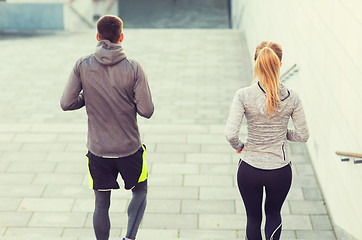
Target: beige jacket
(265, 146)
(114, 89)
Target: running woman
(114, 89)
(267, 105)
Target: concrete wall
(324, 38)
(34, 16)
(70, 15)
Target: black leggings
(251, 182)
(136, 209)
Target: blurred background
(80, 14)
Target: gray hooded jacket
(113, 89)
(265, 146)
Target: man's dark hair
(110, 28)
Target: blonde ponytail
(267, 69)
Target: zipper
(283, 151)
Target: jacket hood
(108, 53)
(283, 95)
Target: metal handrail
(290, 71)
(357, 157)
(84, 20)
(348, 154)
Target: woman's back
(267, 106)
(265, 145)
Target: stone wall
(31, 16)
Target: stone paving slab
(30, 167)
(164, 205)
(220, 158)
(214, 148)
(208, 180)
(166, 180)
(219, 169)
(316, 234)
(312, 193)
(218, 193)
(297, 222)
(175, 168)
(321, 222)
(166, 192)
(166, 157)
(304, 207)
(14, 219)
(222, 221)
(16, 232)
(9, 204)
(208, 234)
(165, 221)
(158, 233)
(88, 233)
(208, 206)
(45, 205)
(192, 170)
(52, 219)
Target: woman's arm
(234, 121)
(300, 132)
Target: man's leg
(136, 209)
(101, 222)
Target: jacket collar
(283, 91)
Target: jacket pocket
(283, 151)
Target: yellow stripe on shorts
(143, 176)
(90, 177)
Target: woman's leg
(278, 183)
(251, 191)
(101, 222)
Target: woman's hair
(110, 28)
(268, 56)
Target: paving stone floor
(193, 75)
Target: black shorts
(103, 172)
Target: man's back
(115, 89)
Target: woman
(267, 105)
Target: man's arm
(72, 98)
(143, 98)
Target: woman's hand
(242, 147)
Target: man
(113, 89)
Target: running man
(114, 89)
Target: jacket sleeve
(234, 121)
(143, 98)
(300, 132)
(72, 97)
